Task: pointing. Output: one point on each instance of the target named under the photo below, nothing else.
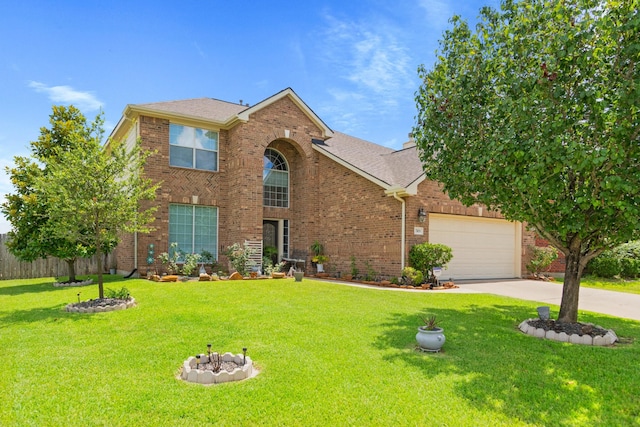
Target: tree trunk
(99, 257)
(571, 288)
(71, 265)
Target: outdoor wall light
(422, 215)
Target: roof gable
(382, 165)
(288, 92)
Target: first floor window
(194, 228)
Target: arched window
(275, 180)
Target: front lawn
(329, 354)
(631, 286)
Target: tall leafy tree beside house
(536, 113)
(95, 193)
(28, 208)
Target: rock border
(67, 285)
(608, 339)
(71, 308)
(200, 376)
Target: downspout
(403, 238)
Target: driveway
(616, 304)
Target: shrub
(412, 277)
(122, 293)
(605, 265)
(630, 267)
(170, 260)
(239, 257)
(354, 270)
(190, 263)
(425, 256)
(541, 258)
(623, 260)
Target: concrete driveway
(616, 304)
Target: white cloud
(369, 54)
(68, 95)
(375, 71)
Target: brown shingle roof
(391, 167)
(385, 164)
(201, 108)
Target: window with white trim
(194, 228)
(275, 180)
(193, 148)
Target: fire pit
(214, 368)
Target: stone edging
(191, 374)
(66, 285)
(609, 338)
(100, 309)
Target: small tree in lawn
(536, 114)
(96, 193)
(28, 208)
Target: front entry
(270, 239)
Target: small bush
(412, 277)
(541, 258)
(630, 267)
(425, 256)
(605, 265)
(122, 293)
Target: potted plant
(298, 275)
(320, 260)
(430, 336)
(318, 256)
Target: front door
(270, 239)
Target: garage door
(483, 248)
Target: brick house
(276, 173)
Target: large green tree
(95, 193)
(27, 208)
(536, 114)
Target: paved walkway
(616, 304)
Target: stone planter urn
(430, 339)
(298, 275)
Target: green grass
(328, 354)
(631, 286)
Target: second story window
(193, 147)
(275, 180)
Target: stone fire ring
(608, 339)
(71, 284)
(191, 374)
(72, 308)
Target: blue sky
(353, 62)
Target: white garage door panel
(482, 248)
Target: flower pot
(320, 268)
(430, 340)
(298, 275)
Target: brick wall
(348, 214)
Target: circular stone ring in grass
(215, 368)
(101, 305)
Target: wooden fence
(13, 268)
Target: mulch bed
(568, 328)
